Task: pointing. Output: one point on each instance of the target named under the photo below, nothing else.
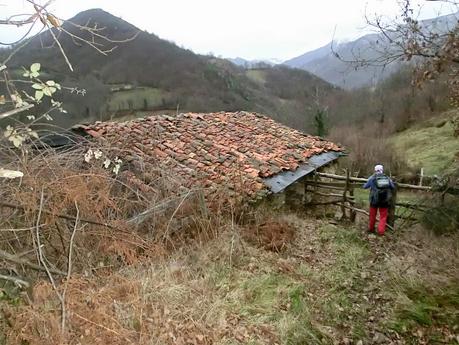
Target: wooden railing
(363, 180)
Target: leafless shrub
(122, 218)
(368, 146)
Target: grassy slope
(141, 98)
(258, 76)
(430, 144)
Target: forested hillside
(136, 73)
(142, 73)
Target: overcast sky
(252, 29)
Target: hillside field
(430, 144)
(136, 99)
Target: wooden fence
(340, 189)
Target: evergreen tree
(320, 122)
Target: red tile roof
(233, 149)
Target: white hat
(379, 168)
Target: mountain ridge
(324, 63)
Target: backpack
(382, 181)
(382, 195)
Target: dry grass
(424, 280)
(173, 301)
(328, 284)
(272, 235)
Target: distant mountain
(302, 60)
(148, 74)
(238, 61)
(323, 62)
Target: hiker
(381, 188)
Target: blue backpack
(382, 195)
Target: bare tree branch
(17, 260)
(15, 280)
(64, 216)
(15, 111)
(69, 268)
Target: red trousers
(382, 219)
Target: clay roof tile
(217, 148)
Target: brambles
(271, 235)
(443, 217)
(123, 212)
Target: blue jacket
(375, 195)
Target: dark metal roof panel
(279, 182)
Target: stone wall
(294, 196)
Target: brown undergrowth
(114, 218)
(74, 225)
(270, 235)
(174, 300)
(330, 285)
(71, 222)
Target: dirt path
(398, 289)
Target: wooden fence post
(306, 192)
(421, 177)
(353, 212)
(346, 186)
(392, 208)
